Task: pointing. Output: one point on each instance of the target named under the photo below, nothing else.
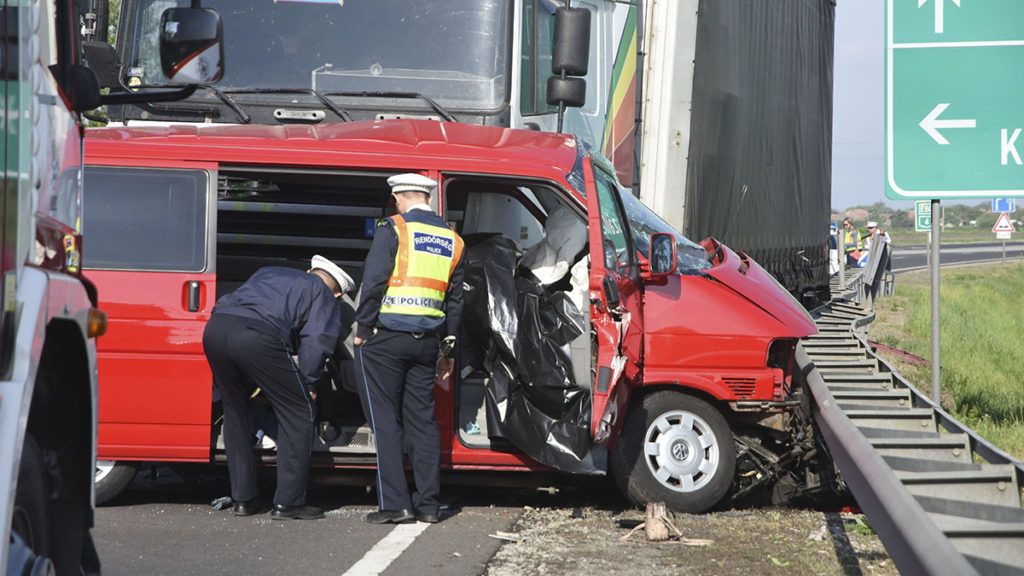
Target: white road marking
(390, 547)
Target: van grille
(743, 388)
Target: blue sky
(857, 167)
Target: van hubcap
(681, 451)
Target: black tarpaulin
(522, 331)
(759, 175)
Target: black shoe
(390, 516)
(296, 513)
(428, 518)
(250, 507)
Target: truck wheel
(112, 478)
(675, 449)
(29, 518)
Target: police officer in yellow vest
(410, 301)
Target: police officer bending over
(411, 296)
(249, 342)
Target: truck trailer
(716, 113)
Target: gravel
(766, 540)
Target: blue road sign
(1003, 205)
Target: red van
(596, 338)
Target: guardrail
(942, 499)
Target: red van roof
(385, 144)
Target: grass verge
(982, 343)
(964, 235)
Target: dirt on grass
(742, 542)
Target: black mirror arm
(148, 96)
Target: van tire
(112, 478)
(29, 518)
(691, 446)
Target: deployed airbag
(551, 258)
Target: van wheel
(112, 478)
(29, 518)
(675, 449)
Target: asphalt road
(165, 525)
(905, 259)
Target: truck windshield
(454, 51)
(691, 257)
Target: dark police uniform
(411, 294)
(249, 342)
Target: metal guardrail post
(841, 249)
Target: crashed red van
(595, 339)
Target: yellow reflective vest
(852, 240)
(427, 257)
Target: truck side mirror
(570, 53)
(103, 60)
(570, 92)
(84, 93)
(663, 254)
(570, 59)
(191, 45)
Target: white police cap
(344, 281)
(872, 224)
(412, 182)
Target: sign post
(954, 127)
(936, 232)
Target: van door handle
(193, 296)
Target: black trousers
(396, 370)
(243, 355)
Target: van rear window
(144, 219)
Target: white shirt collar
(420, 206)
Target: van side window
(538, 35)
(614, 230)
(145, 219)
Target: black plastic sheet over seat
(520, 332)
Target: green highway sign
(923, 215)
(954, 87)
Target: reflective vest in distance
(426, 258)
(852, 240)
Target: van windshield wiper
(337, 110)
(411, 95)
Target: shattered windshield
(454, 51)
(692, 258)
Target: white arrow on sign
(931, 124)
(940, 13)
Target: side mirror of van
(191, 45)
(663, 254)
